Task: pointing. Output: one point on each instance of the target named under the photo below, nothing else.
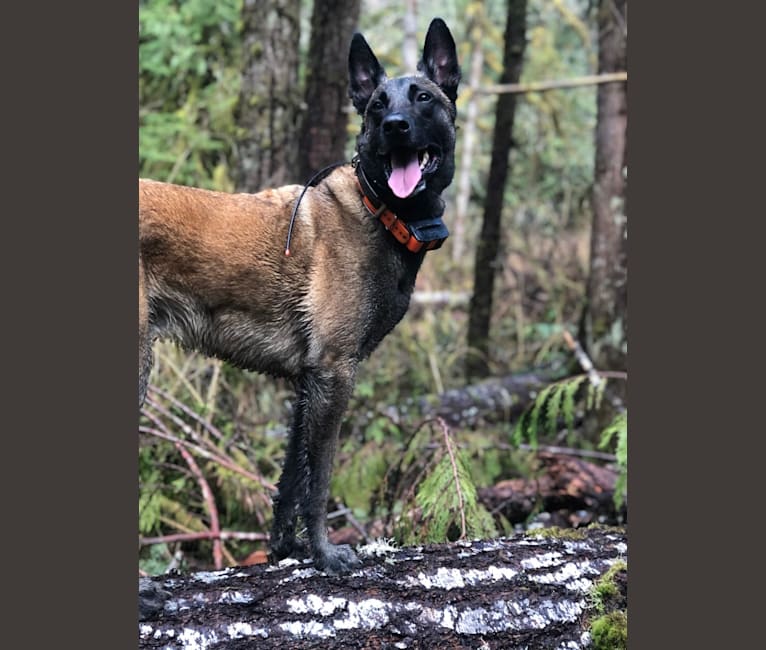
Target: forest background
(531, 286)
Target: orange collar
(398, 228)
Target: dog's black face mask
(407, 142)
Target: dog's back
(211, 277)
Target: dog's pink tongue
(405, 175)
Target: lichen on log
(530, 590)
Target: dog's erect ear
(439, 61)
(364, 73)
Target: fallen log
(491, 400)
(575, 490)
(528, 590)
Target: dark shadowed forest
(499, 403)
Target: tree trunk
(324, 133)
(477, 364)
(410, 37)
(605, 318)
(475, 33)
(525, 591)
(267, 114)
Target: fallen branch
(193, 537)
(543, 86)
(209, 501)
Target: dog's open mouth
(407, 167)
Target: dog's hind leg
(292, 486)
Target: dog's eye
(424, 97)
(376, 105)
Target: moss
(572, 533)
(610, 631)
(606, 589)
(558, 533)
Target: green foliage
(557, 533)
(606, 589)
(191, 401)
(188, 59)
(555, 401)
(610, 631)
(448, 502)
(360, 473)
(553, 162)
(619, 428)
(149, 507)
(155, 560)
(489, 461)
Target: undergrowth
(556, 405)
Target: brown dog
(213, 274)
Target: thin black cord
(316, 178)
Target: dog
(215, 277)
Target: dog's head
(407, 142)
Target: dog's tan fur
(217, 263)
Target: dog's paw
(151, 599)
(336, 559)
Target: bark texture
(324, 133)
(475, 31)
(269, 102)
(573, 491)
(527, 591)
(605, 318)
(477, 365)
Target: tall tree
(604, 325)
(324, 133)
(269, 100)
(410, 35)
(477, 363)
(475, 30)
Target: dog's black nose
(395, 123)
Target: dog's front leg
(323, 395)
(328, 392)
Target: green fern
(553, 407)
(555, 401)
(528, 422)
(618, 427)
(595, 395)
(569, 390)
(149, 511)
(449, 503)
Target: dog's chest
(390, 286)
